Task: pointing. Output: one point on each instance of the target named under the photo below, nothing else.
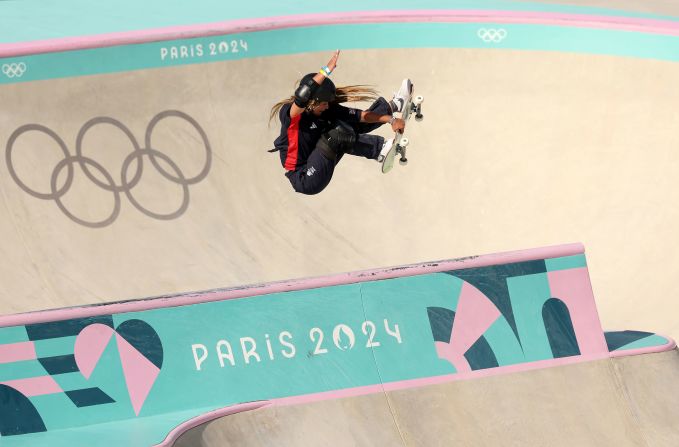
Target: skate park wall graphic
(289, 343)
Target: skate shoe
(386, 147)
(401, 97)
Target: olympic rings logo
(492, 35)
(127, 180)
(14, 70)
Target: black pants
(316, 174)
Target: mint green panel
(528, 294)
(72, 381)
(328, 38)
(565, 263)
(21, 370)
(55, 346)
(40, 20)
(15, 334)
(504, 343)
(403, 302)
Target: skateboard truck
(417, 107)
(401, 149)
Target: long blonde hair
(349, 93)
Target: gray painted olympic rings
(12, 172)
(127, 181)
(80, 158)
(208, 162)
(69, 161)
(180, 179)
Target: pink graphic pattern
(35, 386)
(474, 315)
(572, 286)
(17, 352)
(140, 374)
(90, 345)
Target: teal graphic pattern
(190, 360)
(23, 21)
(327, 38)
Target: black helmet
(324, 93)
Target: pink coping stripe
(35, 386)
(207, 417)
(17, 352)
(288, 286)
(654, 26)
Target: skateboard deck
(412, 105)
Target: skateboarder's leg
(381, 107)
(368, 146)
(315, 175)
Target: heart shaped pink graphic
(140, 372)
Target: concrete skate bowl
(543, 123)
(468, 350)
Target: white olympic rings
(492, 35)
(14, 69)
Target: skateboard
(412, 105)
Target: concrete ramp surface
(619, 402)
(139, 197)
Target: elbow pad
(305, 92)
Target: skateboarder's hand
(398, 125)
(332, 63)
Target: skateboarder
(316, 130)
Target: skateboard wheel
(419, 117)
(404, 142)
(418, 100)
(403, 162)
(380, 158)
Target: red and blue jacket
(299, 135)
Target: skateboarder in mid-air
(316, 130)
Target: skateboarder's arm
(397, 124)
(318, 79)
(297, 110)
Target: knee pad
(340, 138)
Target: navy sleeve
(284, 114)
(346, 114)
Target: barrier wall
(271, 36)
(133, 372)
